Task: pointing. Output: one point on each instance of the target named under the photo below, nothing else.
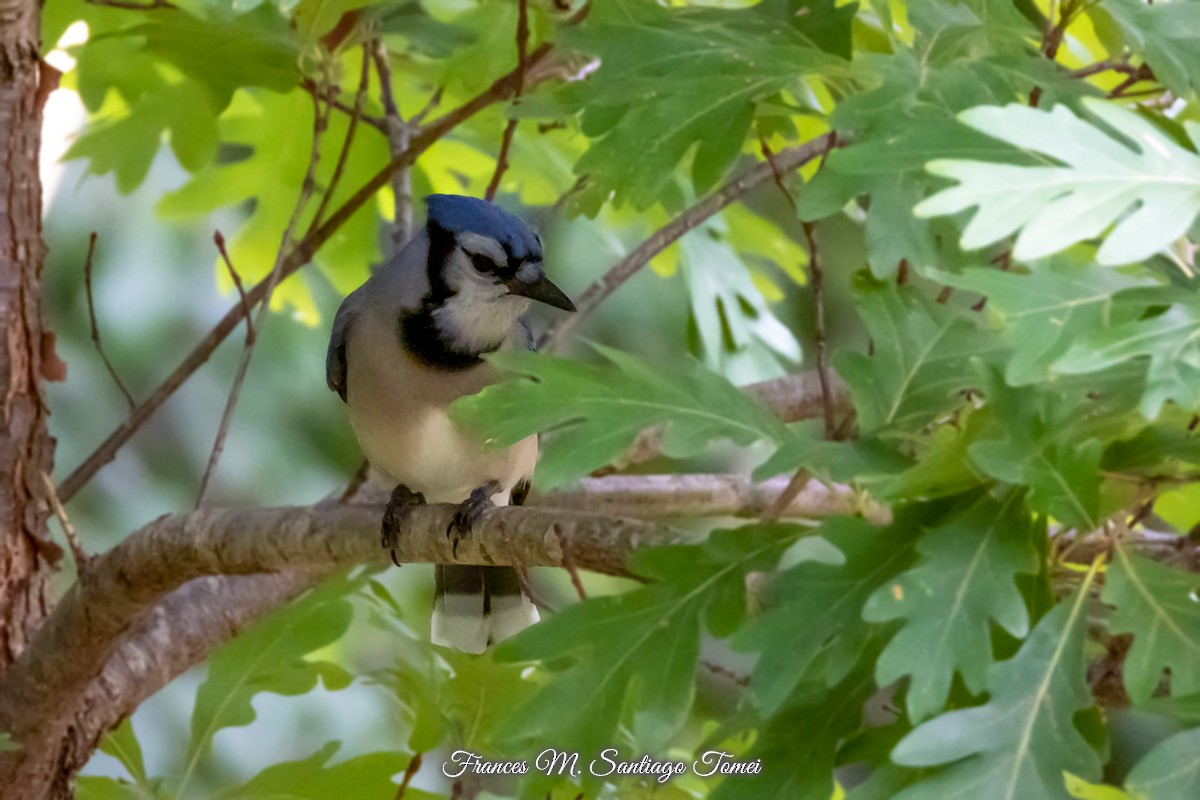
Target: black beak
(542, 290)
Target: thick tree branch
(174, 636)
(655, 496)
(45, 688)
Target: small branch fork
(510, 128)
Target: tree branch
(45, 687)
(626, 268)
(174, 636)
(398, 135)
(654, 496)
(91, 304)
(510, 128)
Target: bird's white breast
(398, 411)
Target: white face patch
(481, 314)
(528, 272)
(483, 246)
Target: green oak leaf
(1170, 771)
(314, 778)
(801, 768)
(965, 577)
(596, 411)
(921, 361)
(176, 74)
(269, 657)
(893, 233)
(1166, 34)
(1156, 604)
(812, 611)
(1018, 744)
(674, 80)
(221, 53)
(1101, 178)
(123, 745)
(1046, 310)
(277, 130)
(634, 655)
(1171, 343)
(1031, 441)
(98, 787)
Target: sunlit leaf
(1144, 182)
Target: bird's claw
(402, 498)
(469, 514)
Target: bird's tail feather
(477, 606)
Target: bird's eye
(482, 263)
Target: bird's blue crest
(459, 214)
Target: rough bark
(118, 607)
(25, 447)
(176, 635)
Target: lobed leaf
(596, 411)
(1019, 743)
(1139, 179)
(1157, 605)
(965, 577)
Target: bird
(407, 343)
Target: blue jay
(410, 341)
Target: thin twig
(694, 215)
(131, 5)
(219, 240)
(356, 481)
(1121, 65)
(398, 134)
(818, 287)
(413, 766)
(87, 280)
(1052, 37)
(510, 128)
(77, 552)
(435, 100)
(790, 492)
(320, 123)
(310, 86)
(364, 81)
(578, 186)
(776, 175)
(313, 240)
(569, 565)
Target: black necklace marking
(419, 331)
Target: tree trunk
(26, 450)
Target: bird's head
(485, 266)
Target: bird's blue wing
(335, 357)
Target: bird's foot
(470, 513)
(393, 515)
